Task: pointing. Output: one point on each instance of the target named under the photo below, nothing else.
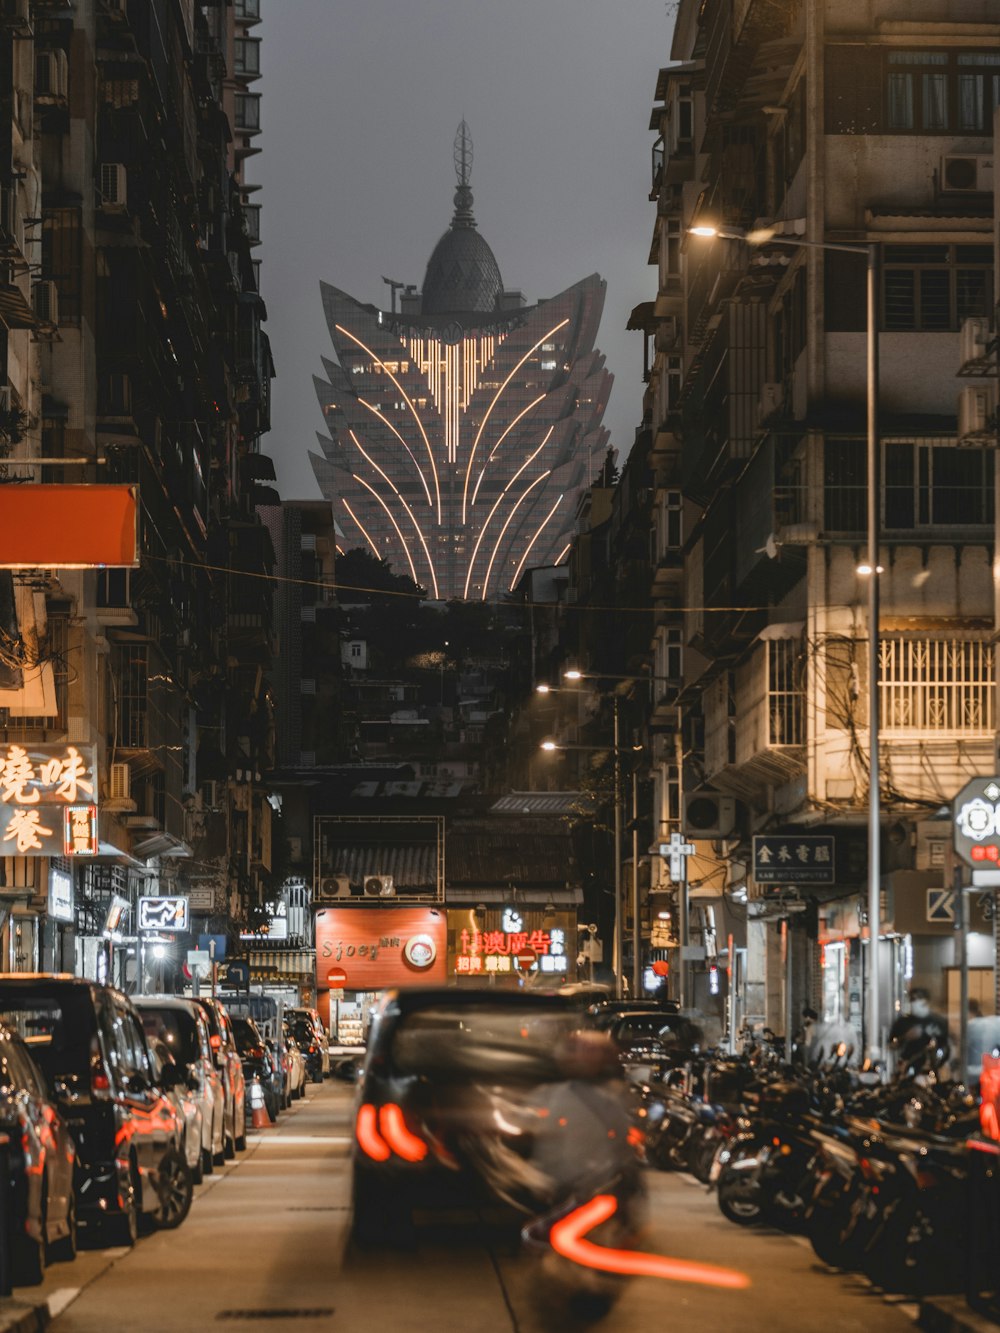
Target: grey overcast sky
(360, 106)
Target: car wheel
(198, 1170)
(229, 1145)
(174, 1190)
(64, 1249)
(123, 1228)
(207, 1161)
(29, 1254)
(241, 1139)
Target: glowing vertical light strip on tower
(402, 540)
(416, 415)
(499, 393)
(402, 501)
(364, 531)
(527, 549)
(503, 530)
(496, 505)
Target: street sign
(336, 994)
(199, 962)
(201, 899)
(526, 959)
(166, 913)
(336, 978)
(975, 812)
(941, 905)
(794, 858)
(236, 973)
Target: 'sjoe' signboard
(370, 948)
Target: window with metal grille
(131, 674)
(925, 484)
(936, 685)
(62, 258)
(935, 287)
(785, 700)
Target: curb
(951, 1314)
(21, 1317)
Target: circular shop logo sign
(978, 819)
(420, 951)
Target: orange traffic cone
(258, 1107)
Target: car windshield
(56, 1026)
(177, 1030)
(653, 1027)
(483, 1040)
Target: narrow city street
(267, 1241)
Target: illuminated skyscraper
(463, 425)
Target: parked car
(282, 1062)
(297, 1064)
(183, 1026)
(227, 1060)
(312, 1036)
(259, 1063)
(175, 1083)
(42, 1157)
(89, 1042)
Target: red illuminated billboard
(371, 948)
(68, 527)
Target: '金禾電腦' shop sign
(378, 947)
(38, 784)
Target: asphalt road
(266, 1246)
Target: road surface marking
(62, 1297)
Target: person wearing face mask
(920, 1033)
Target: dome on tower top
(462, 276)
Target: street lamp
(550, 745)
(770, 236)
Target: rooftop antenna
(462, 156)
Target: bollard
(6, 1220)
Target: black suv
(89, 1042)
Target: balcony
(755, 738)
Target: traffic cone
(258, 1108)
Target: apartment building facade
(850, 124)
(131, 351)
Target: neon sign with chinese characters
(489, 944)
(40, 785)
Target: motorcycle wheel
(702, 1158)
(741, 1199)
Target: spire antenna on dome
(462, 156)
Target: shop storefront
(361, 951)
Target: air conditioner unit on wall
(769, 402)
(379, 886)
(708, 814)
(973, 339)
(45, 301)
(967, 173)
(336, 886)
(977, 406)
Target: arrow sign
(941, 905)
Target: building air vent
(120, 782)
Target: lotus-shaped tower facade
(462, 427)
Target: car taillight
(370, 1141)
(215, 1041)
(403, 1142)
(100, 1084)
(313, 1050)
